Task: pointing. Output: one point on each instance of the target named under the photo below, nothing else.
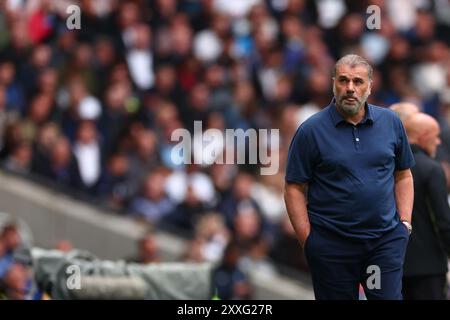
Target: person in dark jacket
(425, 267)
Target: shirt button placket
(355, 134)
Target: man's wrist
(407, 225)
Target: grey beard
(351, 110)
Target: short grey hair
(353, 60)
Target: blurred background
(86, 117)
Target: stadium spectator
(153, 203)
(148, 251)
(229, 280)
(87, 152)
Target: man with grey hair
(404, 109)
(349, 190)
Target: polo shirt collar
(337, 117)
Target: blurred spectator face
(142, 37)
(244, 93)
(231, 255)
(169, 128)
(247, 223)
(13, 134)
(289, 121)
(438, 52)
(87, 132)
(48, 80)
(258, 14)
(83, 56)
(221, 25)
(424, 25)
(400, 49)
(77, 91)
(199, 97)
(11, 238)
(163, 42)
(216, 120)
(316, 52)
(48, 135)
(263, 40)
(119, 73)
(104, 52)
(222, 175)
(40, 108)
(61, 153)
(215, 76)
(148, 249)
(118, 165)
(351, 87)
(388, 30)
(22, 155)
(242, 186)
(296, 6)
(209, 225)
(181, 35)
(166, 114)
(146, 143)
(128, 14)
(291, 27)
(7, 73)
(319, 83)
(64, 246)
(116, 95)
(66, 41)
(19, 34)
(154, 186)
(136, 128)
(166, 8)
(352, 26)
(283, 89)
(165, 79)
(16, 280)
(41, 56)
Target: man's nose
(350, 87)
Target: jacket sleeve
(438, 202)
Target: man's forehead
(352, 71)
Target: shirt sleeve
(301, 158)
(404, 158)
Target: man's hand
(304, 236)
(295, 198)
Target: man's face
(351, 87)
(431, 140)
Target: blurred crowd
(91, 110)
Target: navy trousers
(339, 265)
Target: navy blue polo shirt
(350, 169)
